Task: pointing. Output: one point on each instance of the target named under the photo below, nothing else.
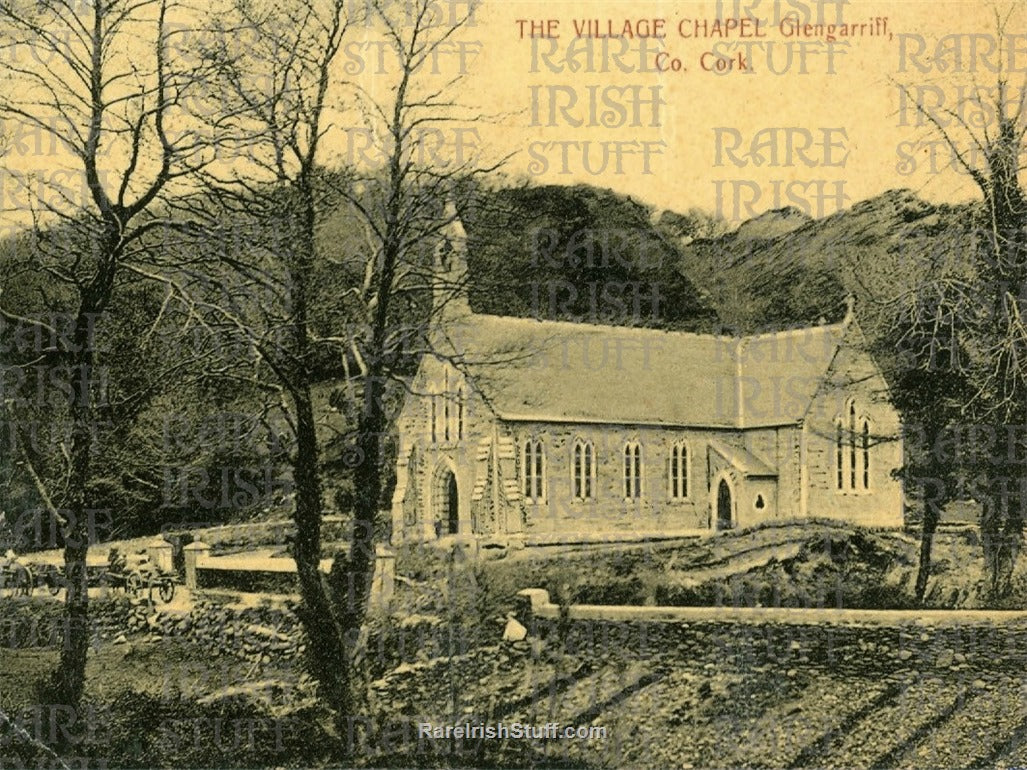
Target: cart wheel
(166, 590)
(53, 583)
(133, 584)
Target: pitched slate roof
(571, 372)
(745, 461)
(781, 372)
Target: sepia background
(396, 383)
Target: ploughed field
(703, 695)
(716, 695)
(210, 685)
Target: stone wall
(951, 644)
(257, 634)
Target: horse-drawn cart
(147, 578)
(134, 575)
(16, 577)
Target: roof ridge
(786, 332)
(589, 325)
(543, 322)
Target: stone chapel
(544, 431)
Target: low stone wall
(536, 602)
(40, 622)
(268, 571)
(841, 641)
(260, 634)
(250, 581)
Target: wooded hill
(784, 268)
(570, 253)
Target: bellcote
(449, 277)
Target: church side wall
(609, 510)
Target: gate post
(194, 553)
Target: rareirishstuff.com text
(508, 730)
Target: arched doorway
(446, 502)
(724, 507)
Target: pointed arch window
(583, 470)
(533, 464)
(460, 403)
(852, 444)
(839, 454)
(446, 406)
(852, 450)
(448, 409)
(632, 471)
(865, 451)
(434, 419)
(678, 471)
(444, 254)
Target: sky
(808, 103)
(793, 118)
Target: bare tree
(980, 320)
(278, 96)
(929, 389)
(97, 81)
(399, 207)
(345, 304)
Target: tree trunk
(1002, 527)
(69, 679)
(352, 603)
(325, 644)
(352, 578)
(368, 487)
(1004, 244)
(930, 526)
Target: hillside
(578, 254)
(571, 253)
(783, 268)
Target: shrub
(142, 730)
